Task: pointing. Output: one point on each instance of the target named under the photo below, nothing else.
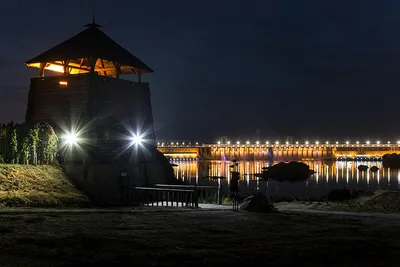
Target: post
(92, 62)
(234, 188)
(196, 196)
(219, 194)
(41, 69)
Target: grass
(37, 186)
(4, 229)
(380, 201)
(384, 201)
(202, 238)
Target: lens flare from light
(137, 140)
(71, 139)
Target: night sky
(238, 68)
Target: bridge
(278, 151)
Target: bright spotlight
(71, 139)
(238, 142)
(137, 140)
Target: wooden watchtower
(79, 86)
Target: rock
(362, 167)
(391, 161)
(292, 171)
(257, 203)
(374, 169)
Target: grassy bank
(172, 238)
(37, 186)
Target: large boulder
(292, 171)
(391, 161)
(257, 203)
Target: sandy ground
(182, 237)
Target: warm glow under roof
(102, 67)
(58, 67)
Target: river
(328, 176)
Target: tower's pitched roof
(91, 43)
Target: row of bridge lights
(276, 143)
(177, 144)
(307, 142)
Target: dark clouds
(299, 68)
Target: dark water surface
(328, 176)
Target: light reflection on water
(328, 176)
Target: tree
(24, 151)
(33, 139)
(47, 144)
(13, 147)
